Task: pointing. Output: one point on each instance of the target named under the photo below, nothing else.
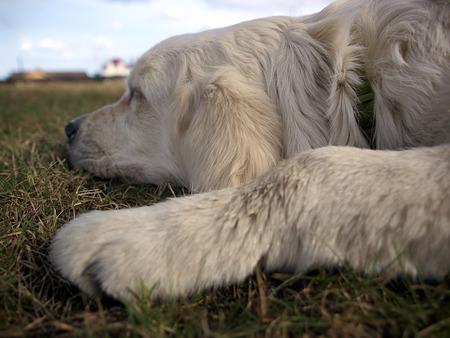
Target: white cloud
(112, 26)
(116, 25)
(67, 56)
(174, 12)
(51, 44)
(26, 46)
(286, 7)
(103, 42)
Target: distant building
(38, 75)
(116, 68)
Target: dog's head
(196, 113)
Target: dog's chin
(106, 169)
(96, 168)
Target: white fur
(218, 109)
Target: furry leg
(375, 210)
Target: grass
(39, 194)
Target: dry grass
(39, 194)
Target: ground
(39, 193)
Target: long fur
(242, 109)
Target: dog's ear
(229, 131)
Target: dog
(271, 123)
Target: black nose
(71, 129)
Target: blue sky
(81, 35)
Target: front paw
(73, 250)
(115, 252)
(97, 251)
(173, 248)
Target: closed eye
(135, 95)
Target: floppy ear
(229, 131)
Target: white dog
(230, 109)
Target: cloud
(174, 12)
(291, 7)
(25, 46)
(129, 1)
(112, 26)
(67, 56)
(117, 25)
(102, 42)
(49, 44)
(44, 45)
(248, 4)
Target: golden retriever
(257, 110)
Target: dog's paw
(108, 252)
(74, 249)
(172, 248)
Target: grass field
(39, 194)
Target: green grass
(39, 194)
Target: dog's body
(220, 108)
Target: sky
(82, 35)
